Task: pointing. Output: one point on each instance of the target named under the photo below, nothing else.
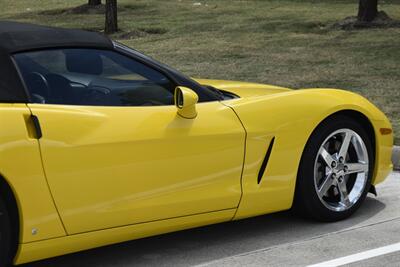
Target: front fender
(290, 117)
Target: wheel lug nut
(346, 168)
(340, 179)
(333, 164)
(341, 159)
(333, 176)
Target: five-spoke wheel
(341, 169)
(335, 170)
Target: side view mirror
(185, 101)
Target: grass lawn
(282, 42)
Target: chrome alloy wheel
(341, 170)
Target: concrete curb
(396, 157)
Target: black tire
(5, 236)
(307, 202)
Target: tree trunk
(94, 2)
(111, 17)
(367, 10)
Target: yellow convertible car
(100, 144)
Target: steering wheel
(39, 86)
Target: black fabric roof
(17, 37)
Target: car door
(114, 150)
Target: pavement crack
(301, 241)
(320, 236)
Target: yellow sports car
(100, 144)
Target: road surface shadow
(213, 242)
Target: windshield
(205, 93)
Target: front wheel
(335, 171)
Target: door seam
(244, 159)
(45, 178)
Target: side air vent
(265, 162)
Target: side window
(92, 77)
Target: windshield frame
(205, 94)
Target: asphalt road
(280, 239)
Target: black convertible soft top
(18, 37)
